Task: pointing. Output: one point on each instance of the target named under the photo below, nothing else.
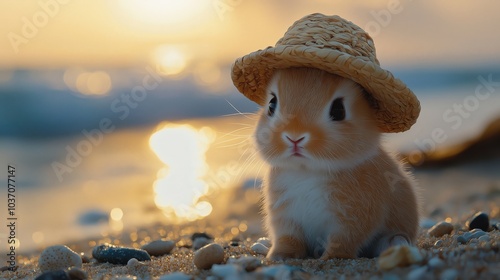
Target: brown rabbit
(331, 191)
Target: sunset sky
(210, 33)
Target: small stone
(402, 255)
(484, 238)
(417, 274)
(467, 235)
(159, 247)
(478, 234)
(479, 220)
(435, 263)
(281, 271)
(390, 277)
(440, 229)
(438, 243)
(132, 262)
(259, 248)
(85, 259)
(54, 275)
(118, 255)
(427, 223)
(234, 243)
(265, 241)
(496, 226)
(461, 239)
(58, 257)
(227, 271)
(175, 276)
(209, 255)
(449, 274)
(249, 263)
(200, 242)
(201, 234)
(77, 274)
(135, 267)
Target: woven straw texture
(338, 46)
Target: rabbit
(331, 191)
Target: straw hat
(338, 46)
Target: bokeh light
(170, 60)
(116, 214)
(179, 188)
(96, 83)
(38, 237)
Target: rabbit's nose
(301, 139)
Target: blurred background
(121, 114)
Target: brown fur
(375, 194)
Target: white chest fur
(308, 204)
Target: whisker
(239, 112)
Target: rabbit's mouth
(296, 151)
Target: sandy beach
(452, 191)
(127, 149)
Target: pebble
(484, 238)
(54, 275)
(496, 226)
(259, 248)
(201, 234)
(135, 267)
(440, 229)
(118, 255)
(479, 220)
(402, 255)
(427, 223)
(390, 277)
(159, 247)
(467, 235)
(58, 257)
(449, 274)
(265, 241)
(435, 263)
(249, 263)
(472, 236)
(475, 230)
(417, 273)
(200, 242)
(281, 271)
(175, 276)
(234, 243)
(227, 271)
(85, 259)
(72, 274)
(461, 239)
(438, 243)
(77, 274)
(122, 277)
(477, 234)
(209, 255)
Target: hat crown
(331, 32)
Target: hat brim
(397, 108)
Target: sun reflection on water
(179, 188)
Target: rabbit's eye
(272, 105)
(337, 111)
